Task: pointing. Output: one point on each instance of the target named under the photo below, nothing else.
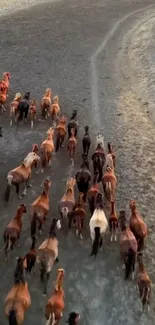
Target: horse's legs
(70, 217)
(17, 191)
(46, 281)
(28, 184)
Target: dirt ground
(99, 58)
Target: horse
(46, 103)
(109, 182)
(143, 283)
(40, 208)
(60, 133)
(113, 222)
(3, 97)
(35, 149)
(13, 230)
(79, 214)
(14, 108)
(6, 80)
(48, 253)
(55, 304)
(72, 142)
(92, 193)
(137, 225)
(18, 299)
(23, 107)
(21, 174)
(83, 178)
(98, 158)
(55, 108)
(32, 112)
(112, 153)
(98, 225)
(128, 247)
(31, 256)
(47, 148)
(73, 318)
(73, 124)
(67, 202)
(86, 141)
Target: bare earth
(55, 45)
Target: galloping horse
(112, 153)
(14, 108)
(40, 208)
(21, 174)
(60, 133)
(67, 202)
(32, 112)
(47, 148)
(137, 225)
(72, 142)
(55, 108)
(23, 107)
(86, 141)
(73, 124)
(143, 283)
(83, 178)
(55, 305)
(46, 103)
(113, 222)
(48, 253)
(13, 230)
(109, 183)
(3, 96)
(6, 81)
(92, 193)
(98, 158)
(18, 299)
(79, 214)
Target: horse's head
(18, 97)
(80, 198)
(50, 132)
(59, 280)
(109, 169)
(1, 131)
(86, 128)
(63, 119)
(74, 114)
(35, 148)
(22, 208)
(73, 318)
(55, 100)
(7, 75)
(27, 96)
(30, 159)
(70, 183)
(47, 184)
(99, 141)
(132, 204)
(48, 92)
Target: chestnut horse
(79, 214)
(98, 158)
(83, 178)
(67, 202)
(32, 112)
(35, 149)
(46, 103)
(137, 225)
(113, 222)
(47, 148)
(143, 283)
(55, 108)
(48, 253)
(21, 174)
(18, 299)
(3, 96)
(6, 80)
(112, 153)
(109, 183)
(128, 246)
(73, 124)
(14, 108)
(92, 193)
(72, 142)
(55, 305)
(40, 208)
(86, 141)
(13, 229)
(60, 133)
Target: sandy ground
(41, 52)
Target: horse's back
(127, 241)
(50, 244)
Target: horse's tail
(129, 264)
(51, 320)
(145, 295)
(33, 225)
(12, 317)
(64, 212)
(95, 246)
(57, 146)
(8, 188)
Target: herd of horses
(96, 193)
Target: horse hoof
(76, 232)
(111, 238)
(42, 171)
(37, 172)
(115, 238)
(40, 232)
(29, 186)
(81, 236)
(133, 276)
(19, 197)
(24, 193)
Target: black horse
(73, 124)
(23, 107)
(86, 141)
(99, 159)
(1, 131)
(83, 178)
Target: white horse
(100, 140)
(98, 225)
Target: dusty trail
(60, 57)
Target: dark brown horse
(79, 214)
(83, 178)
(73, 124)
(99, 159)
(86, 141)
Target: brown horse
(55, 108)
(67, 202)
(13, 229)
(83, 178)
(40, 208)
(72, 142)
(35, 149)
(113, 222)
(48, 253)
(31, 256)
(21, 174)
(47, 148)
(98, 159)
(32, 112)
(91, 196)
(3, 97)
(109, 183)
(18, 299)
(143, 283)
(79, 214)
(14, 108)
(128, 246)
(46, 103)
(60, 133)
(112, 153)
(55, 305)
(137, 225)
(6, 80)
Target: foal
(113, 222)
(48, 253)
(33, 112)
(55, 108)
(14, 108)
